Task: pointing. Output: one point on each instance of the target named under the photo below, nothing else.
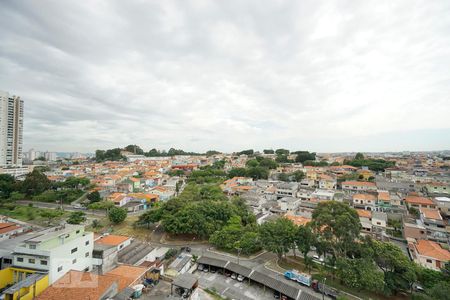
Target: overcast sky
(228, 75)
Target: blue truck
(300, 277)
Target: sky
(326, 76)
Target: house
(365, 201)
(286, 189)
(443, 204)
(358, 186)
(383, 198)
(327, 182)
(56, 251)
(180, 265)
(16, 283)
(9, 229)
(323, 195)
(434, 224)
(413, 200)
(429, 254)
(414, 230)
(118, 241)
(379, 220)
(164, 193)
(438, 188)
(365, 218)
(104, 258)
(89, 286)
(288, 203)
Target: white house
(57, 251)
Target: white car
(200, 267)
(240, 278)
(233, 276)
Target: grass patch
(31, 214)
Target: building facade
(56, 251)
(11, 128)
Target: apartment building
(11, 128)
(56, 251)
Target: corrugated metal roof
(239, 269)
(212, 261)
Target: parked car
(186, 249)
(200, 267)
(240, 278)
(205, 270)
(228, 274)
(233, 276)
(276, 294)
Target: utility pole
(239, 253)
(323, 288)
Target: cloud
(229, 75)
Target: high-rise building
(11, 128)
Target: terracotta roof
(432, 249)
(431, 213)
(298, 220)
(112, 239)
(384, 196)
(358, 183)
(364, 196)
(9, 228)
(6, 224)
(418, 200)
(127, 275)
(364, 213)
(78, 285)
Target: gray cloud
(326, 76)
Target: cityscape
(223, 196)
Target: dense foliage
(110, 154)
(117, 215)
(303, 156)
(377, 165)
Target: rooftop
(433, 250)
(419, 200)
(112, 239)
(431, 213)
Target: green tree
(303, 156)
(134, 149)
(359, 156)
(51, 215)
(304, 240)
(284, 177)
(399, 271)
(76, 217)
(94, 197)
(35, 183)
(7, 185)
(150, 217)
(268, 151)
(102, 205)
(337, 226)
(282, 152)
(276, 236)
(117, 215)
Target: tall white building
(11, 128)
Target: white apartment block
(56, 251)
(11, 128)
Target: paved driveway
(231, 288)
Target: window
(429, 261)
(77, 231)
(43, 262)
(86, 254)
(74, 250)
(7, 261)
(87, 243)
(20, 259)
(121, 246)
(31, 260)
(74, 261)
(32, 246)
(59, 268)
